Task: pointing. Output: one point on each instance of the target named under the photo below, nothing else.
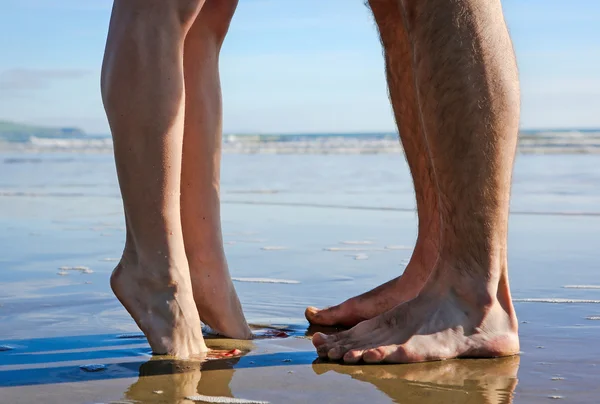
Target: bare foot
(384, 297)
(443, 322)
(216, 299)
(162, 306)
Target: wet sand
(285, 370)
(286, 253)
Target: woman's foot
(162, 304)
(451, 318)
(216, 299)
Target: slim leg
(144, 98)
(215, 296)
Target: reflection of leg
(467, 88)
(169, 381)
(401, 83)
(490, 381)
(142, 89)
(214, 293)
(216, 377)
(165, 381)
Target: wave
(265, 280)
(530, 142)
(557, 301)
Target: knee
(159, 12)
(187, 10)
(214, 19)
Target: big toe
(328, 316)
(319, 339)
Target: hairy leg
(402, 91)
(144, 98)
(215, 296)
(467, 89)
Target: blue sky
(291, 65)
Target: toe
(323, 351)
(327, 317)
(319, 339)
(312, 314)
(375, 355)
(403, 354)
(324, 343)
(336, 353)
(335, 346)
(388, 354)
(353, 356)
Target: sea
(557, 141)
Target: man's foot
(384, 297)
(216, 299)
(447, 320)
(368, 305)
(162, 305)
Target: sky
(291, 66)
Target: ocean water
(322, 228)
(565, 141)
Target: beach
(299, 230)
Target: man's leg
(401, 85)
(144, 98)
(214, 293)
(468, 94)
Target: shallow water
(299, 230)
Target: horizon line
(391, 132)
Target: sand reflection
(487, 381)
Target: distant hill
(19, 133)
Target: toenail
(312, 309)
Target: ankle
(204, 244)
(129, 256)
(157, 270)
(427, 251)
(476, 284)
(205, 258)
